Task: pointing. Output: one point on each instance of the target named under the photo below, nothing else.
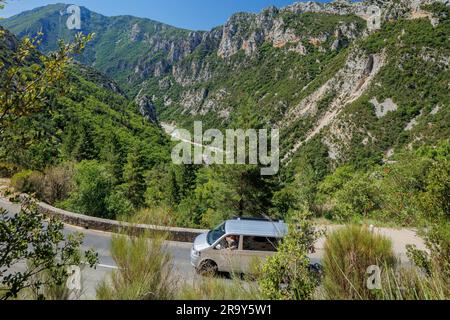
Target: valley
(359, 92)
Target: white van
(236, 244)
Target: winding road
(180, 252)
(101, 241)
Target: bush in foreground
(287, 274)
(209, 288)
(348, 254)
(144, 271)
(26, 181)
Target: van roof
(256, 228)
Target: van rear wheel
(207, 268)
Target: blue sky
(189, 14)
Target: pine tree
(134, 176)
(114, 154)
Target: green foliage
(359, 197)
(409, 191)
(228, 191)
(348, 254)
(435, 261)
(28, 238)
(435, 200)
(334, 182)
(144, 271)
(162, 187)
(209, 288)
(287, 199)
(315, 24)
(134, 175)
(23, 83)
(93, 187)
(286, 275)
(411, 284)
(26, 181)
(118, 204)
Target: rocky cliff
(322, 72)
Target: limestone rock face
(147, 108)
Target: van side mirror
(219, 247)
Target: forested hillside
(92, 122)
(363, 113)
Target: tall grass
(348, 254)
(43, 287)
(209, 288)
(413, 284)
(144, 270)
(159, 216)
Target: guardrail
(98, 224)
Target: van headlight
(196, 253)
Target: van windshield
(216, 234)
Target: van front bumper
(195, 258)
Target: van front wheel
(207, 268)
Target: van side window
(260, 244)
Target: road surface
(100, 242)
(173, 132)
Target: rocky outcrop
(248, 31)
(348, 84)
(382, 109)
(99, 78)
(147, 108)
(136, 34)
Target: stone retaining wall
(174, 234)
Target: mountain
(338, 90)
(93, 120)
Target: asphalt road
(100, 242)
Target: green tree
(26, 80)
(287, 275)
(234, 190)
(114, 153)
(29, 238)
(93, 186)
(135, 176)
(84, 147)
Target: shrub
(93, 186)
(209, 288)
(144, 271)
(286, 199)
(357, 198)
(348, 254)
(7, 169)
(435, 200)
(287, 274)
(117, 204)
(26, 181)
(57, 183)
(160, 216)
(436, 260)
(412, 284)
